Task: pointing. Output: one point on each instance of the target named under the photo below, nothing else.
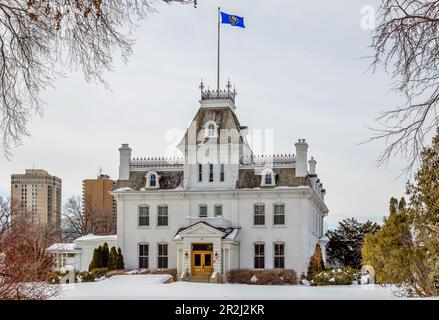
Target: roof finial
(228, 86)
(201, 85)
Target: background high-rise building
(37, 196)
(99, 206)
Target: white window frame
(148, 180)
(144, 256)
(138, 216)
(254, 214)
(162, 216)
(258, 256)
(274, 214)
(281, 256)
(265, 173)
(199, 210)
(214, 210)
(208, 133)
(162, 256)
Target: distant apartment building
(37, 195)
(99, 206)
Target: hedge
(264, 276)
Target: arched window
(210, 130)
(259, 255)
(279, 255)
(152, 180)
(267, 177)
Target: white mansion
(221, 207)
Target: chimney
(312, 166)
(124, 162)
(301, 158)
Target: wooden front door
(202, 260)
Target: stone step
(203, 278)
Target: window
(153, 180)
(143, 256)
(200, 173)
(210, 172)
(218, 210)
(202, 211)
(259, 215)
(279, 214)
(222, 172)
(162, 258)
(279, 255)
(162, 216)
(210, 130)
(268, 179)
(143, 216)
(259, 256)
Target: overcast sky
(297, 68)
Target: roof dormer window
(268, 178)
(152, 180)
(210, 130)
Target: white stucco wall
(237, 207)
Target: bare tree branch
(406, 43)
(40, 39)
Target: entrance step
(199, 278)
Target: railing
(161, 162)
(218, 94)
(261, 160)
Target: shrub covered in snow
(172, 272)
(268, 276)
(91, 276)
(345, 276)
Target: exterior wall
(100, 202)
(87, 248)
(39, 196)
(237, 208)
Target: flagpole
(218, 65)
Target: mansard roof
(168, 180)
(285, 177)
(224, 117)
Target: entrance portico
(201, 248)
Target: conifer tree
(95, 260)
(120, 261)
(315, 262)
(112, 259)
(105, 253)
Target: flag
(233, 20)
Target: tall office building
(37, 195)
(99, 206)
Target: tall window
(162, 216)
(153, 180)
(210, 172)
(143, 216)
(268, 179)
(279, 255)
(200, 172)
(279, 214)
(259, 215)
(259, 256)
(222, 173)
(218, 210)
(162, 257)
(143, 256)
(202, 211)
(211, 130)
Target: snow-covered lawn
(150, 287)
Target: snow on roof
(92, 237)
(216, 222)
(124, 189)
(63, 247)
(232, 235)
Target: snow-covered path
(150, 287)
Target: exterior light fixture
(186, 255)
